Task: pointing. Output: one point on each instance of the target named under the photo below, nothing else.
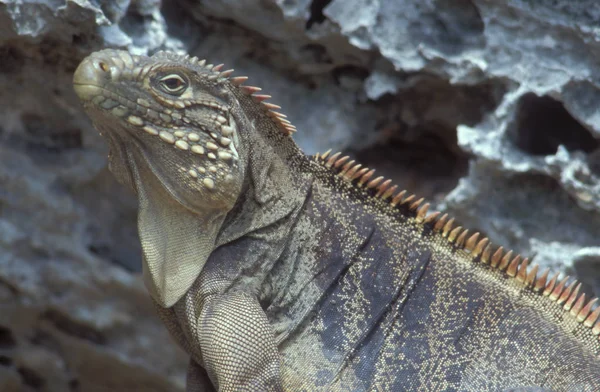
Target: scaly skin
(281, 272)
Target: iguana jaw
(178, 152)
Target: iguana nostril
(91, 75)
(103, 66)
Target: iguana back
(277, 271)
(367, 295)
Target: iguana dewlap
(277, 271)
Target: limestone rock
(487, 107)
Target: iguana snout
(91, 75)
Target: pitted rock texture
(489, 108)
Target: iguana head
(174, 129)
(175, 113)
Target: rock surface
(487, 107)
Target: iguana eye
(173, 84)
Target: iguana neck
(276, 188)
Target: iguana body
(277, 271)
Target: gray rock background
(490, 108)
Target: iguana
(278, 271)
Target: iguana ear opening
(176, 241)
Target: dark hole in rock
(101, 250)
(74, 328)
(51, 53)
(350, 71)
(39, 135)
(74, 385)
(316, 12)
(7, 339)
(417, 145)
(179, 16)
(542, 124)
(433, 104)
(35, 125)
(593, 161)
(11, 60)
(79, 39)
(42, 338)
(133, 18)
(317, 54)
(449, 26)
(136, 24)
(587, 270)
(426, 166)
(113, 9)
(31, 378)
(5, 361)
(584, 176)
